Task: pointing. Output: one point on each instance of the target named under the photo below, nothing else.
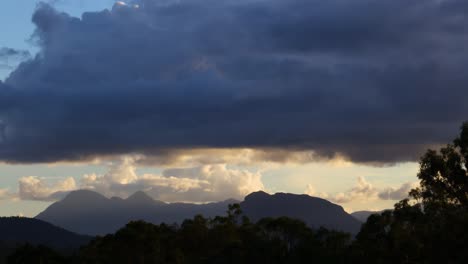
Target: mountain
(87, 212)
(91, 213)
(363, 215)
(315, 212)
(20, 230)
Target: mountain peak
(140, 197)
(257, 195)
(83, 196)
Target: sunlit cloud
(193, 184)
(5, 194)
(192, 157)
(37, 188)
(364, 191)
(397, 193)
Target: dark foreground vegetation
(429, 227)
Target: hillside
(19, 230)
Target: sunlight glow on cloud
(392, 193)
(364, 191)
(203, 183)
(195, 157)
(196, 184)
(5, 194)
(260, 157)
(36, 188)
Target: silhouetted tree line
(223, 239)
(431, 226)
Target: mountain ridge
(314, 211)
(87, 212)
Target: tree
(27, 254)
(432, 227)
(443, 175)
(137, 242)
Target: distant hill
(363, 215)
(315, 212)
(88, 212)
(20, 230)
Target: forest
(431, 226)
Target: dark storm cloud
(377, 81)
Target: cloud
(364, 191)
(40, 189)
(198, 184)
(219, 181)
(397, 193)
(233, 156)
(373, 81)
(8, 53)
(9, 58)
(5, 194)
(310, 190)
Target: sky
(204, 100)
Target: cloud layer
(375, 81)
(195, 184)
(198, 184)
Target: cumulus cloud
(397, 193)
(36, 188)
(198, 184)
(334, 77)
(220, 181)
(5, 194)
(363, 191)
(310, 190)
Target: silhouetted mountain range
(20, 230)
(363, 215)
(88, 212)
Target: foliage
(28, 254)
(223, 239)
(431, 226)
